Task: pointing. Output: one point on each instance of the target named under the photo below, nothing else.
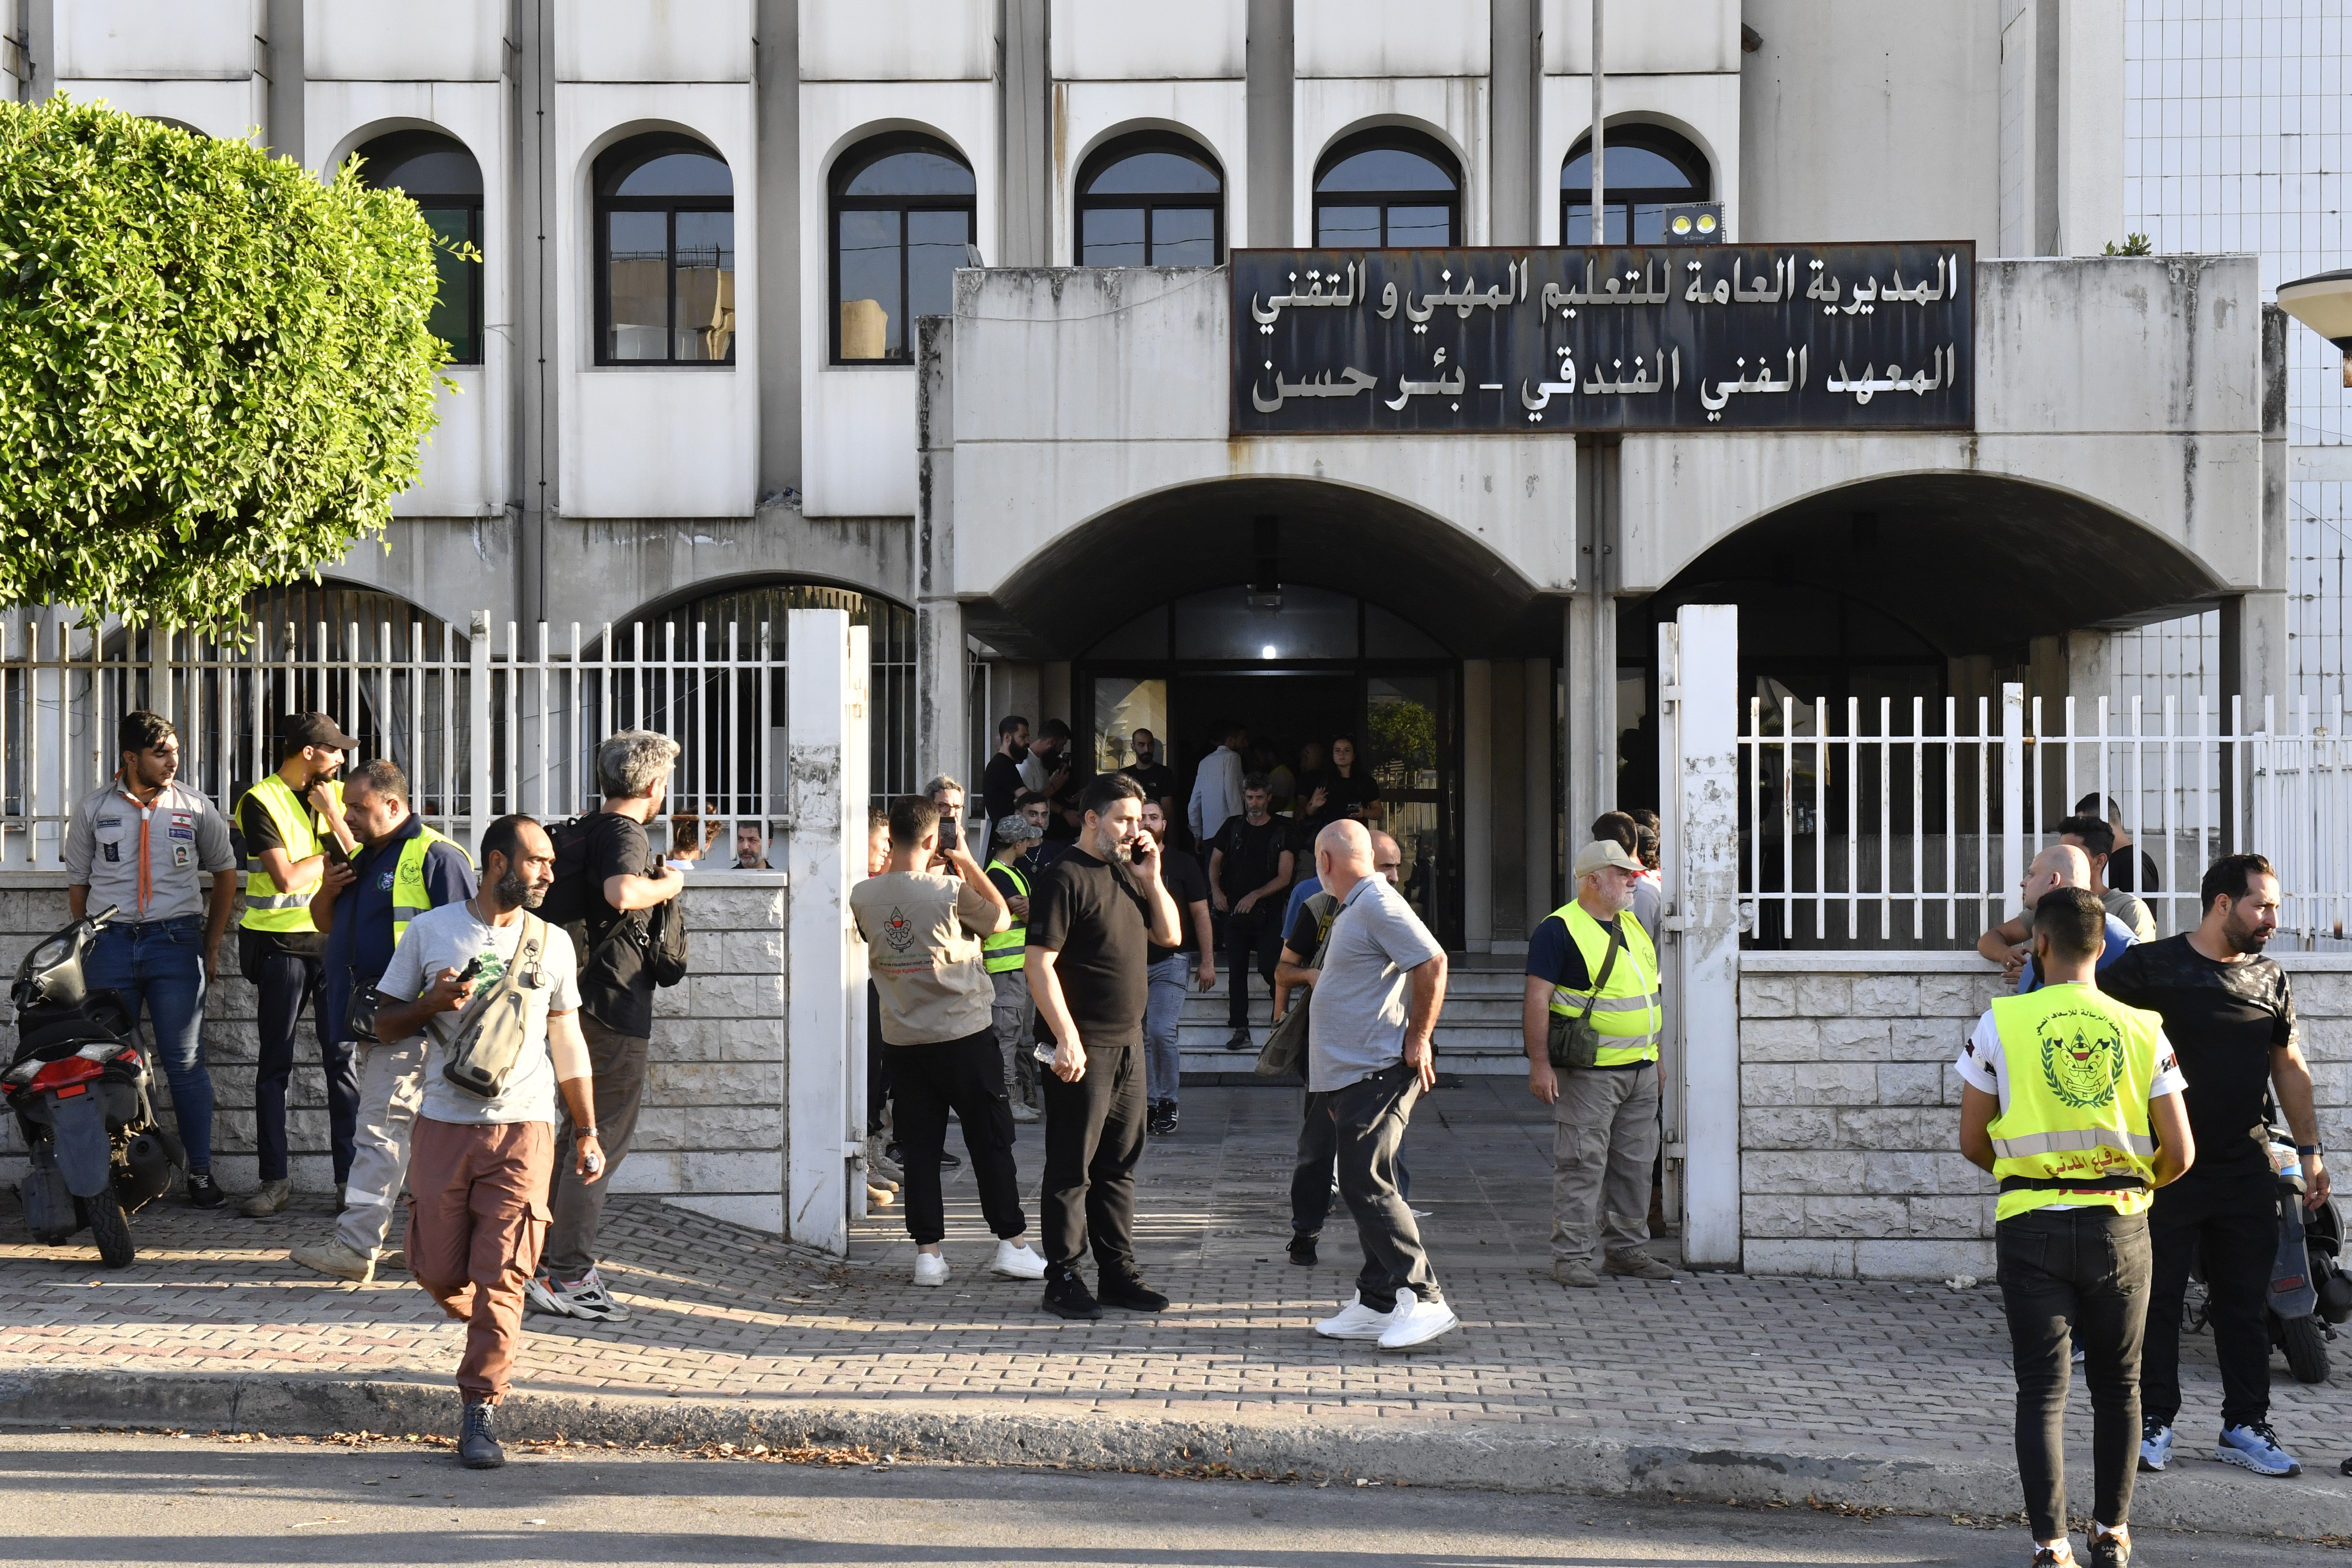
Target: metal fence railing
(1883, 824)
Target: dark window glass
(1645, 169)
(666, 268)
(1388, 187)
(1151, 200)
(442, 178)
(903, 222)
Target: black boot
(1129, 1292)
(477, 1449)
(1067, 1295)
(1302, 1249)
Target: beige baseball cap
(1604, 852)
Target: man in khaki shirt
(923, 931)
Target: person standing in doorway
(1003, 954)
(289, 820)
(1313, 775)
(1194, 959)
(607, 879)
(1350, 793)
(1093, 921)
(2228, 1011)
(1250, 864)
(924, 920)
(1000, 781)
(1159, 781)
(2078, 1147)
(1217, 788)
(365, 907)
(1591, 959)
(1369, 1059)
(138, 846)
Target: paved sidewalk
(1888, 1379)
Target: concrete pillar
(2090, 671)
(1515, 100)
(531, 241)
(283, 22)
(1509, 805)
(1540, 854)
(1477, 805)
(1055, 699)
(1271, 63)
(1026, 102)
(1590, 656)
(941, 729)
(777, 97)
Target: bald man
(2009, 943)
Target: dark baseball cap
(297, 730)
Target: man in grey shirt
(1369, 1059)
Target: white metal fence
(1880, 826)
(482, 723)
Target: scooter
(2308, 1283)
(78, 1084)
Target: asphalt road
(93, 1500)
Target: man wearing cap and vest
(2073, 1102)
(1003, 955)
(1592, 962)
(288, 820)
(365, 907)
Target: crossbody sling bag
(1285, 1047)
(487, 1043)
(1574, 1042)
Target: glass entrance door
(1409, 744)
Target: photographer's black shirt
(1090, 913)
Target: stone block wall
(711, 1131)
(1850, 1164)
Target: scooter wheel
(2306, 1349)
(110, 1228)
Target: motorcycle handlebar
(102, 916)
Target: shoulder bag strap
(1608, 962)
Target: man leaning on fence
(365, 906)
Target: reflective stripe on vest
(409, 898)
(1625, 1013)
(1005, 951)
(2077, 1066)
(266, 907)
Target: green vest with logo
(1625, 1011)
(265, 908)
(2078, 1066)
(409, 898)
(1004, 953)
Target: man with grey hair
(605, 877)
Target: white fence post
(825, 975)
(478, 719)
(2014, 831)
(1701, 741)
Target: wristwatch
(2307, 1148)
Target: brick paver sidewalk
(1812, 1365)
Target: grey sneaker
(1239, 1040)
(478, 1448)
(880, 1166)
(269, 1198)
(1635, 1263)
(1575, 1271)
(333, 1258)
(538, 1295)
(587, 1298)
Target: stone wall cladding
(712, 1125)
(1850, 1106)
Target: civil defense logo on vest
(898, 931)
(2082, 1057)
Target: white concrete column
(1477, 805)
(824, 969)
(941, 726)
(1541, 757)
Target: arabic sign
(1732, 337)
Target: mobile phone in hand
(950, 833)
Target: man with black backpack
(608, 887)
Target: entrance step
(1478, 1033)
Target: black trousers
(288, 987)
(2069, 1274)
(1369, 1117)
(1094, 1136)
(1260, 932)
(1311, 1174)
(877, 1063)
(966, 1076)
(2235, 1224)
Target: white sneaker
(930, 1269)
(1355, 1320)
(587, 1298)
(1416, 1322)
(1017, 1260)
(538, 1298)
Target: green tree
(215, 371)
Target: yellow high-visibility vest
(265, 908)
(409, 898)
(1002, 953)
(2078, 1065)
(1625, 1012)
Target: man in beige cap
(1593, 981)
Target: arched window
(666, 254)
(1151, 200)
(1643, 170)
(1388, 187)
(902, 222)
(442, 178)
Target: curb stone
(1518, 1457)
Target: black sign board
(1729, 337)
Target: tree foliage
(215, 371)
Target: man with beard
(2229, 1013)
(1093, 921)
(479, 1166)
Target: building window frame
(1109, 155)
(1399, 139)
(391, 150)
(1657, 140)
(845, 170)
(614, 166)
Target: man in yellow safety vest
(1013, 1014)
(2073, 1100)
(1591, 969)
(289, 820)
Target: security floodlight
(2323, 303)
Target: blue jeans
(1162, 1062)
(158, 968)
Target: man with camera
(365, 906)
(485, 1135)
(292, 822)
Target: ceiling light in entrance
(1266, 652)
